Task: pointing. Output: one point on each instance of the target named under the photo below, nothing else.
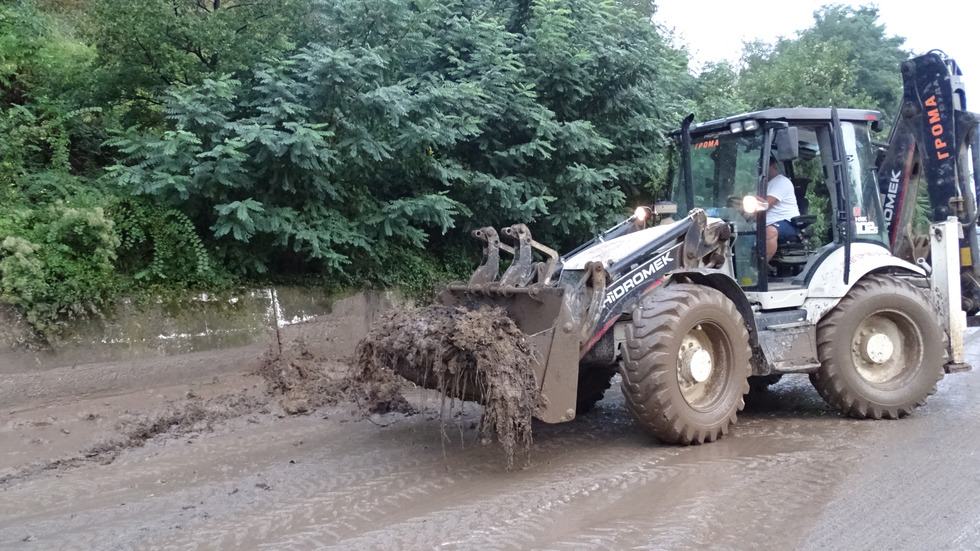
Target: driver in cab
(782, 207)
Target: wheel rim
(885, 345)
(702, 365)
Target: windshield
(862, 187)
(725, 168)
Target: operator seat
(792, 252)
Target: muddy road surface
(221, 465)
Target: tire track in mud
(550, 495)
(320, 469)
(166, 480)
(392, 480)
(790, 475)
(773, 495)
(374, 488)
(547, 510)
(812, 473)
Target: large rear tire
(881, 350)
(686, 364)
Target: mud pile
(478, 355)
(302, 384)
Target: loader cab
(830, 162)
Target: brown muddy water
(259, 461)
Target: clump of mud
(302, 384)
(479, 355)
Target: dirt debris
(476, 355)
(302, 384)
(296, 381)
(185, 416)
(299, 383)
(479, 355)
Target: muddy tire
(593, 381)
(686, 364)
(881, 350)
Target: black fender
(728, 287)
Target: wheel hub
(878, 348)
(696, 365)
(884, 347)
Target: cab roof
(791, 114)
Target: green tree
(46, 124)
(716, 92)
(875, 56)
(845, 59)
(146, 45)
(617, 88)
(59, 240)
(801, 73)
(643, 8)
(409, 119)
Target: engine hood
(613, 250)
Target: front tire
(686, 364)
(881, 350)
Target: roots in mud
(478, 355)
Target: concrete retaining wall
(194, 338)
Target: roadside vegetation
(153, 146)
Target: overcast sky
(714, 30)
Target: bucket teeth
(490, 267)
(520, 271)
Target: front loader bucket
(558, 317)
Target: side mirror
(665, 207)
(787, 144)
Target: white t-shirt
(785, 208)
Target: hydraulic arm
(935, 140)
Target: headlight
(752, 204)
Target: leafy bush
(146, 45)
(56, 263)
(160, 246)
(354, 142)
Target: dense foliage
(166, 144)
(407, 118)
(845, 59)
(145, 46)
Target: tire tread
(829, 379)
(649, 364)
